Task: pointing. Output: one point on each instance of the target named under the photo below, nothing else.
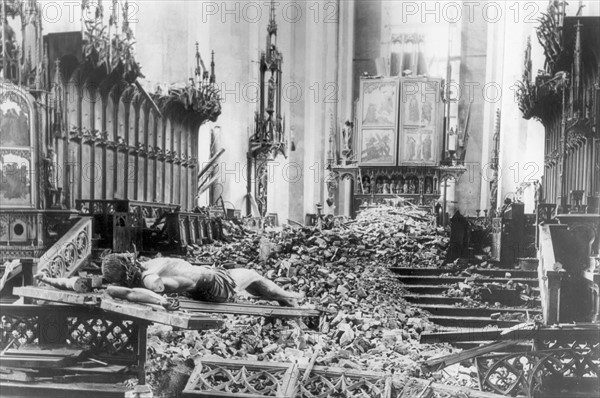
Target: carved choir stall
(80, 136)
(565, 98)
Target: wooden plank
(154, 314)
(288, 383)
(112, 369)
(44, 351)
(15, 361)
(88, 378)
(233, 363)
(333, 371)
(59, 296)
(15, 375)
(248, 309)
(51, 390)
(190, 393)
(589, 332)
(435, 364)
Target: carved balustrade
(65, 257)
(253, 378)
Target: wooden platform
(58, 296)
(248, 309)
(178, 319)
(191, 315)
(150, 313)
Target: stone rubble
(345, 270)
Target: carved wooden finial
(272, 28)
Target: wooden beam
(51, 390)
(154, 314)
(15, 375)
(583, 331)
(142, 352)
(435, 364)
(248, 309)
(29, 361)
(35, 351)
(60, 296)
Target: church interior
(315, 198)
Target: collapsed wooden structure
(107, 330)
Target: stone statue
(51, 163)
(271, 94)
(386, 187)
(347, 137)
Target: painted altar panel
(16, 151)
(378, 121)
(421, 113)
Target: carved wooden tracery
(105, 336)
(253, 378)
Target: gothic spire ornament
(268, 139)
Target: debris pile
(344, 269)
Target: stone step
(438, 290)
(470, 321)
(435, 299)
(452, 310)
(450, 280)
(493, 272)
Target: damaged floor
(379, 310)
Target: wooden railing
(144, 209)
(65, 257)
